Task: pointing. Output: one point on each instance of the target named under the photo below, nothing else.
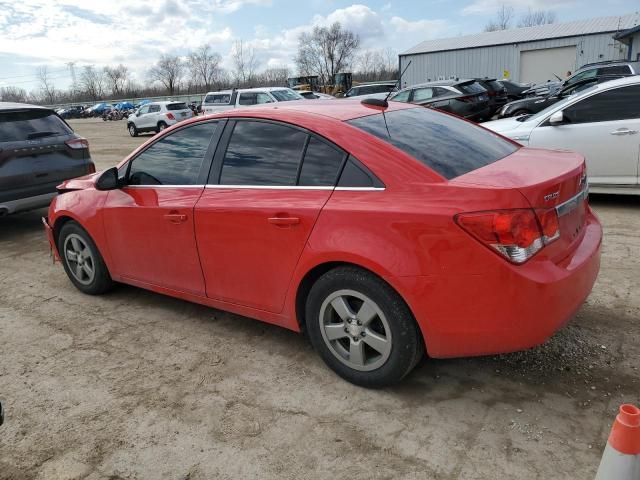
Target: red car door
(150, 220)
(254, 218)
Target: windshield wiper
(35, 135)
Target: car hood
(505, 125)
(79, 183)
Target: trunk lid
(548, 179)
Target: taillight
(77, 143)
(170, 116)
(516, 234)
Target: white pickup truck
(246, 97)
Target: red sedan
(380, 232)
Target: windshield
(285, 95)
(444, 143)
(542, 113)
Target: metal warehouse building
(530, 54)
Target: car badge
(551, 196)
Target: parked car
(156, 116)
(309, 95)
(246, 97)
(465, 98)
(361, 226)
(602, 123)
(515, 90)
(531, 105)
(497, 94)
(371, 88)
(38, 151)
(74, 111)
(598, 69)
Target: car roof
(255, 89)
(165, 102)
(374, 84)
(338, 109)
(20, 106)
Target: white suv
(246, 97)
(156, 116)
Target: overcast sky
(136, 32)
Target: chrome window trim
(265, 187)
(569, 205)
(268, 187)
(164, 186)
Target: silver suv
(156, 116)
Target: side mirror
(108, 180)
(557, 118)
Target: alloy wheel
(79, 259)
(355, 330)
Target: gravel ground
(136, 385)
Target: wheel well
(60, 222)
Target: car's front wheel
(82, 260)
(362, 328)
(133, 131)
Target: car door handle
(284, 221)
(175, 217)
(624, 131)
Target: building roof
(627, 33)
(529, 34)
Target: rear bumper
(507, 309)
(24, 204)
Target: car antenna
(377, 102)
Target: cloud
(428, 28)
(491, 6)
(230, 6)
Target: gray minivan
(38, 151)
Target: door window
(615, 70)
(175, 159)
(143, 110)
(582, 76)
(402, 96)
(321, 164)
(618, 104)
(421, 94)
(254, 98)
(357, 175)
(154, 108)
(262, 153)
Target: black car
(535, 104)
(497, 93)
(38, 150)
(514, 90)
(74, 111)
(465, 98)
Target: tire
(133, 131)
(90, 274)
(375, 315)
(161, 126)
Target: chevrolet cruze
(380, 232)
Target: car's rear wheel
(82, 260)
(161, 126)
(133, 131)
(362, 328)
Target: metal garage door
(540, 65)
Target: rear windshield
(177, 106)
(30, 125)
(448, 145)
(218, 98)
(470, 88)
(285, 95)
(496, 85)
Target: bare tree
(244, 62)
(93, 82)
(168, 71)
(274, 77)
(47, 88)
(326, 51)
(502, 21)
(204, 65)
(13, 94)
(116, 77)
(537, 17)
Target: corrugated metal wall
(492, 61)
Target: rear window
(177, 106)
(450, 146)
(30, 125)
(496, 85)
(470, 88)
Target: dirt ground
(134, 385)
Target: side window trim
(206, 162)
